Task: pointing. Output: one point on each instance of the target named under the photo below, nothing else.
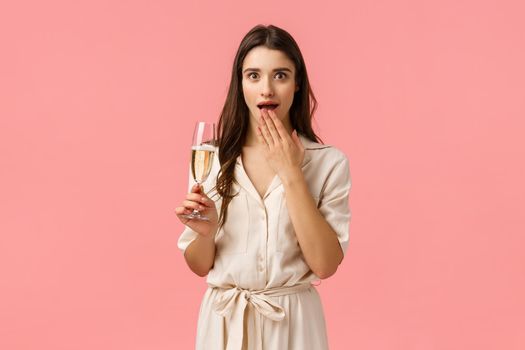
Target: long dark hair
(234, 118)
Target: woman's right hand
(197, 199)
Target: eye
(250, 75)
(282, 74)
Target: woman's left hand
(283, 152)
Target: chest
(258, 170)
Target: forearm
(318, 241)
(200, 254)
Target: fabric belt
(233, 301)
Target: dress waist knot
(232, 302)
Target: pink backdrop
(97, 104)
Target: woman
(278, 203)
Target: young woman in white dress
(278, 203)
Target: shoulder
(325, 153)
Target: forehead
(266, 59)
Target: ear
(296, 87)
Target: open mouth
(271, 106)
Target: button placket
(260, 262)
(261, 256)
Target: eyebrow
(275, 70)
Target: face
(268, 76)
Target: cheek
(288, 92)
(249, 96)
(245, 93)
(288, 97)
(250, 101)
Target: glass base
(196, 215)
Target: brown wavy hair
(234, 119)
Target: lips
(268, 105)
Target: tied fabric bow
(233, 302)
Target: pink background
(97, 104)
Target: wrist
(292, 176)
(207, 237)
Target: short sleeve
(188, 235)
(334, 201)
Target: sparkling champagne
(201, 162)
(202, 153)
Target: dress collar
(244, 181)
(309, 144)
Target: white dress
(259, 292)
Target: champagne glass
(202, 153)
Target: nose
(267, 88)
